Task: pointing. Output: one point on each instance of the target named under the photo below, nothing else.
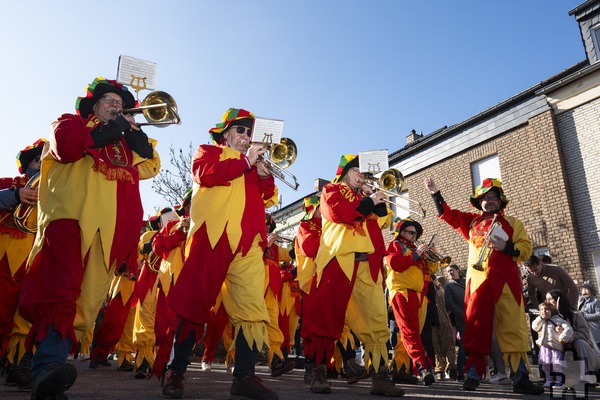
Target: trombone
(280, 156)
(392, 183)
(159, 109)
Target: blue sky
(345, 76)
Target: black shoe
(428, 378)
(143, 371)
(280, 367)
(19, 376)
(173, 385)
(404, 377)
(308, 369)
(251, 387)
(470, 384)
(525, 386)
(52, 382)
(98, 361)
(125, 366)
(453, 373)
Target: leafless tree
(172, 183)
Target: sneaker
(547, 384)
(525, 386)
(206, 366)
(280, 367)
(143, 371)
(173, 385)
(428, 378)
(230, 367)
(404, 377)
(354, 371)
(439, 376)
(383, 385)
(320, 383)
(470, 384)
(125, 366)
(53, 381)
(251, 387)
(499, 379)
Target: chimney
(413, 136)
(319, 183)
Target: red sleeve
(396, 259)
(309, 237)
(266, 186)
(209, 170)
(286, 275)
(339, 204)
(70, 138)
(459, 220)
(165, 240)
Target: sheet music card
(136, 73)
(373, 162)
(267, 131)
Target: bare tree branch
(171, 184)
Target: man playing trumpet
(494, 289)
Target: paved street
(107, 383)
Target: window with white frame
(488, 167)
(595, 33)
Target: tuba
(159, 109)
(22, 217)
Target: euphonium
(22, 217)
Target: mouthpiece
(244, 142)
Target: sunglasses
(242, 129)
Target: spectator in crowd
(545, 277)
(589, 306)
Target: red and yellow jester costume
(349, 277)
(15, 246)
(497, 288)
(408, 280)
(224, 251)
(90, 212)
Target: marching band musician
(274, 254)
(496, 289)
(409, 275)
(349, 280)
(224, 253)
(90, 212)
(15, 246)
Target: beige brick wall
(533, 181)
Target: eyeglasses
(410, 232)
(242, 129)
(112, 101)
(490, 198)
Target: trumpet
(392, 183)
(280, 156)
(159, 109)
(486, 249)
(22, 214)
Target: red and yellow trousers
(410, 311)
(359, 302)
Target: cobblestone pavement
(108, 383)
